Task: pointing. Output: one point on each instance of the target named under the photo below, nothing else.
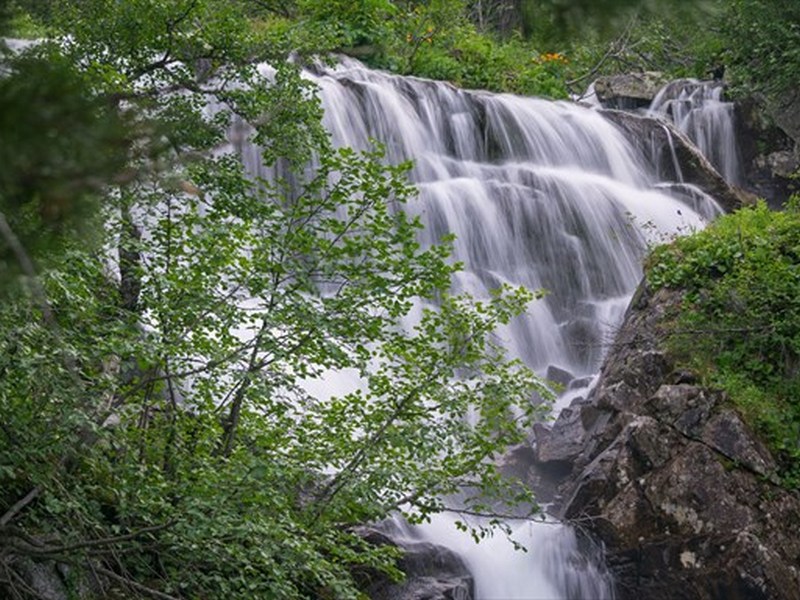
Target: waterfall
(543, 194)
(548, 195)
(697, 109)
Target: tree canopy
(156, 348)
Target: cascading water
(544, 194)
(697, 109)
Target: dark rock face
(769, 153)
(672, 480)
(432, 572)
(785, 109)
(768, 133)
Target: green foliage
(158, 427)
(755, 42)
(351, 23)
(473, 60)
(58, 144)
(740, 322)
(433, 39)
(763, 44)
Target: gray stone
(727, 434)
(433, 572)
(580, 382)
(782, 163)
(686, 407)
(785, 110)
(564, 441)
(558, 375)
(629, 90)
(695, 168)
(46, 580)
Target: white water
(544, 194)
(697, 109)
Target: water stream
(544, 194)
(698, 109)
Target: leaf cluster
(59, 143)
(769, 60)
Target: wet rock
(544, 478)
(648, 133)
(563, 442)
(558, 375)
(433, 572)
(581, 382)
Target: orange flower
(552, 57)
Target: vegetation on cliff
(739, 325)
(546, 48)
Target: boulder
(433, 572)
(563, 443)
(558, 375)
(520, 463)
(629, 90)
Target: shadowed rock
(629, 90)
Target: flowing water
(544, 194)
(697, 108)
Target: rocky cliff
(670, 478)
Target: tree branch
(20, 505)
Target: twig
(98, 542)
(614, 49)
(137, 586)
(19, 505)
